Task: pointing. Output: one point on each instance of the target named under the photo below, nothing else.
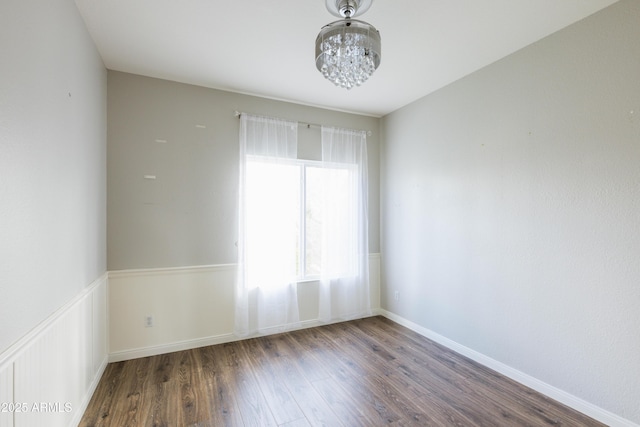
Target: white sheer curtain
(266, 290)
(344, 282)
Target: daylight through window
(291, 196)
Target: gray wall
(187, 216)
(511, 210)
(52, 162)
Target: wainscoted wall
(190, 306)
(52, 371)
(6, 394)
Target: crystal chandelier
(348, 51)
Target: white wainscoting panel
(6, 396)
(190, 307)
(53, 371)
(99, 322)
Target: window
(300, 220)
(290, 195)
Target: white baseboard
(79, 411)
(137, 353)
(191, 307)
(561, 396)
(214, 340)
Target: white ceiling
(266, 47)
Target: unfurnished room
(319, 213)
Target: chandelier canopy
(348, 51)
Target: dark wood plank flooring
(368, 372)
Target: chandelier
(348, 51)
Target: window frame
(303, 164)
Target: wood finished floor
(368, 372)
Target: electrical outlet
(148, 322)
(396, 295)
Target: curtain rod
(308, 125)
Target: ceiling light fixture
(348, 51)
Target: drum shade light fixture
(348, 51)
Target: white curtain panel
(344, 282)
(266, 290)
